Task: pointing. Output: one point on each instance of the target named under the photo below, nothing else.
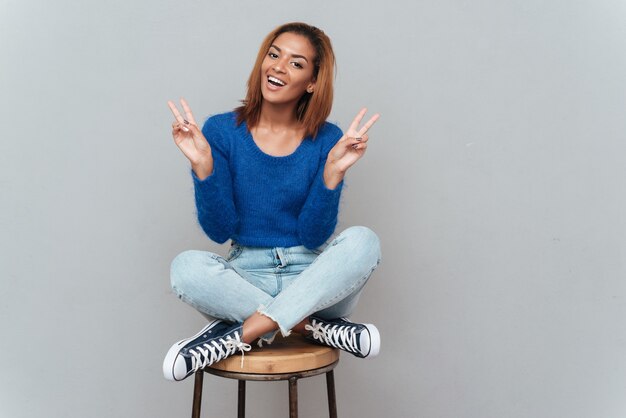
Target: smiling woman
(268, 176)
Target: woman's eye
(297, 64)
(273, 55)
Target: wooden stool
(289, 359)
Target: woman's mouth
(275, 82)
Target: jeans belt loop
(281, 257)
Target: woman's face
(287, 70)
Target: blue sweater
(260, 200)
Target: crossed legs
(330, 284)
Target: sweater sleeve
(318, 217)
(214, 195)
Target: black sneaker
(213, 343)
(362, 340)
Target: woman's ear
(311, 87)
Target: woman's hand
(347, 150)
(189, 139)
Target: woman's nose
(279, 66)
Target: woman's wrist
(202, 170)
(332, 176)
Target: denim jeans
(285, 284)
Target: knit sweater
(260, 200)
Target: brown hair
(313, 108)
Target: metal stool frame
(293, 388)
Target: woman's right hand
(191, 141)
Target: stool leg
(293, 397)
(241, 403)
(197, 394)
(330, 389)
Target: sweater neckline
(252, 145)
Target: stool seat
(285, 355)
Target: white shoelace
(342, 337)
(214, 351)
(268, 341)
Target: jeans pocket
(234, 252)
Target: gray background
(494, 179)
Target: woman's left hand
(347, 150)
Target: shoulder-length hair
(312, 108)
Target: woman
(268, 176)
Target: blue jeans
(285, 284)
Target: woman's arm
(208, 155)
(318, 217)
(214, 194)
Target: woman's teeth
(275, 81)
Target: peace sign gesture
(190, 140)
(352, 144)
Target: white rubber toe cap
(174, 367)
(371, 339)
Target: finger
(356, 140)
(195, 130)
(177, 126)
(175, 111)
(187, 109)
(368, 125)
(363, 138)
(345, 138)
(359, 146)
(355, 123)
